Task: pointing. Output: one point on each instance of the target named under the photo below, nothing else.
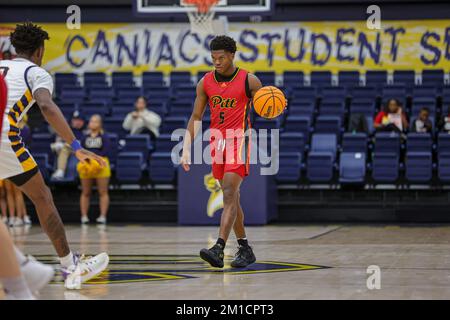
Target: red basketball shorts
(230, 155)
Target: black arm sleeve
(247, 88)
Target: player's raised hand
(186, 160)
(83, 155)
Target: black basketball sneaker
(214, 256)
(243, 257)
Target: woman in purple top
(99, 143)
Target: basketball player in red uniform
(228, 90)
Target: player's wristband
(76, 145)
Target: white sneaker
(18, 222)
(101, 220)
(58, 174)
(84, 220)
(5, 220)
(11, 221)
(27, 220)
(36, 274)
(84, 269)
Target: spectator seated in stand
(62, 149)
(423, 123)
(142, 120)
(391, 118)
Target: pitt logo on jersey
(223, 102)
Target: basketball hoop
(202, 20)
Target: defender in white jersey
(23, 78)
(27, 83)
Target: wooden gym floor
(293, 262)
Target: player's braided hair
(28, 37)
(223, 43)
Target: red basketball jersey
(228, 102)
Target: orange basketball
(269, 102)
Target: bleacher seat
(67, 109)
(97, 94)
(387, 142)
(180, 78)
(114, 124)
(72, 95)
(120, 111)
(385, 167)
(130, 167)
(289, 167)
(424, 92)
(443, 154)
(292, 142)
(94, 79)
(385, 161)
(267, 78)
(164, 143)
(366, 108)
(262, 123)
(432, 77)
(122, 79)
(128, 93)
(376, 78)
(185, 92)
(352, 167)
(156, 93)
(162, 169)
(348, 78)
(324, 142)
(301, 109)
(87, 109)
(293, 78)
(181, 109)
(418, 162)
(114, 140)
(406, 77)
(332, 109)
(172, 123)
(152, 78)
(397, 91)
(334, 92)
(364, 92)
(320, 78)
(298, 124)
(328, 124)
(319, 167)
(354, 142)
(138, 143)
(65, 80)
(304, 95)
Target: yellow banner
(277, 46)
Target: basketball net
(202, 20)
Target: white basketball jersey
(23, 78)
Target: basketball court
(293, 262)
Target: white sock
(17, 287)
(67, 261)
(21, 259)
